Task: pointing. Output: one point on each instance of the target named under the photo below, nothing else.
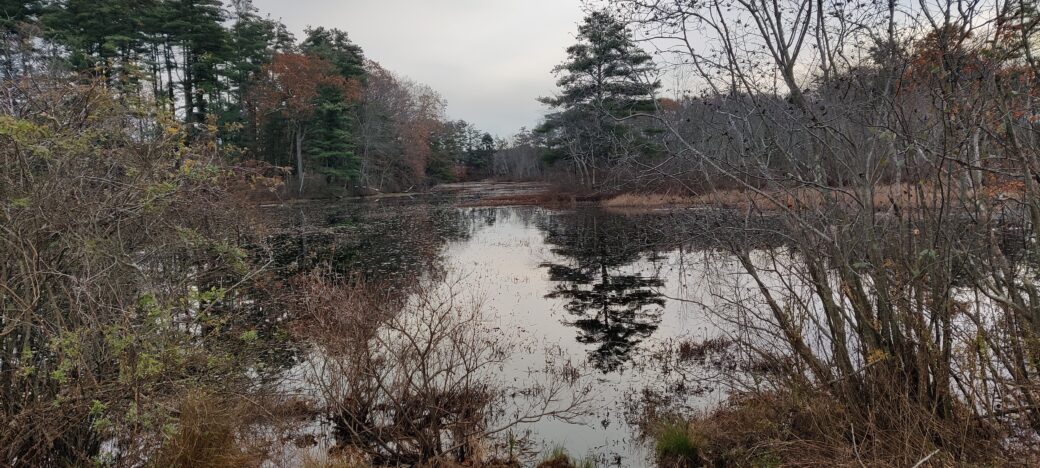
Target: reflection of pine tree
(615, 311)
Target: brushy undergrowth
(812, 429)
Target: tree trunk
(188, 85)
(299, 160)
(171, 93)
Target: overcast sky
(490, 59)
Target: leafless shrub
(413, 380)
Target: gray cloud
(490, 59)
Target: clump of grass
(207, 435)
(559, 458)
(677, 445)
(646, 200)
(340, 459)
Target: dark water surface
(601, 293)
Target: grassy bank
(801, 198)
(811, 428)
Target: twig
(925, 459)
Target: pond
(608, 296)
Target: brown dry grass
(333, 460)
(814, 429)
(549, 198)
(208, 435)
(646, 200)
(902, 195)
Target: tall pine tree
(102, 37)
(196, 28)
(331, 144)
(14, 15)
(334, 46)
(606, 78)
(252, 42)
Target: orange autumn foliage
(290, 84)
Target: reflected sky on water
(584, 288)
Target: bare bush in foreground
(413, 379)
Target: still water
(594, 287)
(606, 295)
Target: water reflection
(598, 267)
(581, 283)
(385, 243)
(613, 309)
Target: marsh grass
(552, 198)
(558, 457)
(810, 428)
(208, 434)
(903, 196)
(330, 460)
(676, 445)
(646, 200)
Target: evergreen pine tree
(101, 36)
(604, 79)
(252, 41)
(196, 26)
(13, 16)
(332, 136)
(331, 143)
(335, 47)
(13, 12)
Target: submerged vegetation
(559, 458)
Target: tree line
(316, 105)
(611, 126)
